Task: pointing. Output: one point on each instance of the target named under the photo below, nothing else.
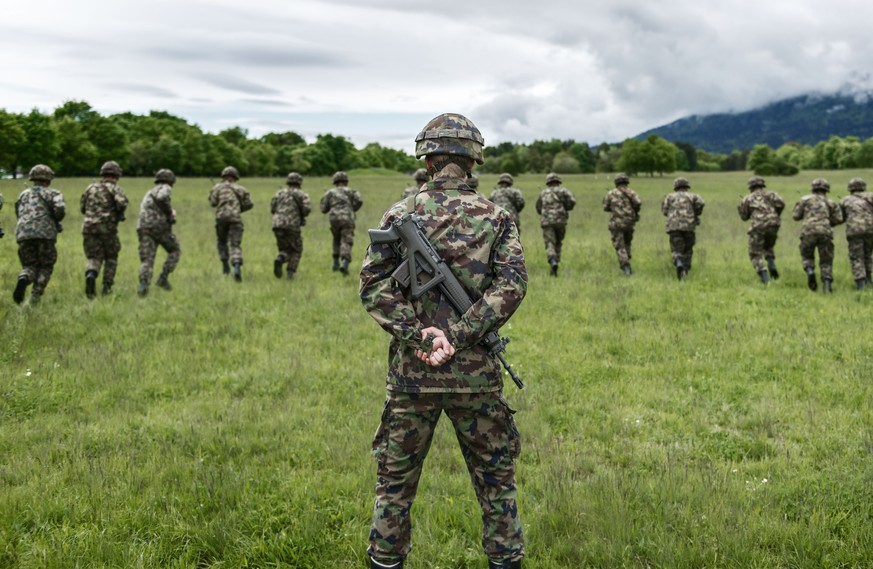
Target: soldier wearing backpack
(682, 209)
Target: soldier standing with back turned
(552, 206)
(819, 215)
(155, 227)
(420, 178)
(102, 206)
(509, 198)
(230, 200)
(289, 207)
(341, 203)
(857, 210)
(39, 210)
(436, 363)
(683, 210)
(764, 208)
(624, 204)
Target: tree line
(74, 140)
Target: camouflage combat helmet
(505, 178)
(756, 182)
(294, 178)
(820, 185)
(450, 133)
(110, 168)
(420, 175)
(680, 183)
(41, 173)
(473, 182)
(230, 172)
(857, 185)
(165, 176)
(621, 179)
(340, 177)
(552, 178)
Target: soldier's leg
(690, 241)
(281, 245)
(93, 246)
(28, 255)
(620, 246)
(221, 231)
(826, 258)
(112, 247)
(549, 239)
(336, 233)
(147, 249)
(234, 240)
(400, 447)
(171, 245)
(807, 256)
(856, 258)
(628, 239)
(490, 444)
(48, 256)
(347, 240)
(560, 232)
(868, 258)
(677, 247)
(757, 248)
(295, 248)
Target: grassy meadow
(708, 423)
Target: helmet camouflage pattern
(857, 185)
(621, 179)
(505, 178)
(230, 172)
(340, 177)
(756, 182)
(473, 182)
(110, 168)
(552, 178)
(820, 184)
(294, 178)
(41, 173)
(450, 133)
(680, 183)
(420, 175)
(165, 176)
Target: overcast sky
(378, 70)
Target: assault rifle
(422, 258)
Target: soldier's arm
(121, 200)
(568, 199)
(836, 214)
(58, 205)
(163, 199)
(245, 201)
(519, 201)
(699, 204)
(213, 196)
(324, 204)
(303, 203)
(778, 203)
(665, 207)
(607, 203)
(797, 213)
(539, 205)
(357, 201)
(743, 210)
(83, 201)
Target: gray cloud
(236, 84)
(139, 88)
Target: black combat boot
(90, 284)
(859, 284)
(681, 273)
(344, 267)
(826, 285)
(765, 277)
(20, 289)
(377, 565)
(336, 262)
(237, 272)
(225, 268)
(143, 288)
(810, 279)
(505, 564)
(627, 270)
(771, 266)
(277, 266)
(163, 281)
(553, 263)
(107, 289)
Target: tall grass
(709, 423)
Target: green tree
(564, 163)
(12, 140)
(78, 155)
(582, 153)
(41, 144)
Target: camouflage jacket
(553, 205)
(341, 203)
(480, 243)
(289, 207)
(156, 210)
(624, 204)
(819, 215)
(229, 200)
(683, 210)
(857, 210)
(102, 205)
(39, 211)
(510, 199)
(763, 207)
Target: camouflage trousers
(102, 249)
(38, 258)
(761, 243)
(621, 240)
(825, 246)
(861, 255)
(229, 239)
(343, 238)
(290, 244)
(489, 443)
(553, 235)
(682, 247)
(148, 246)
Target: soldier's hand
(442, 350)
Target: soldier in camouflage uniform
(819, 215)
(155, 227)
(857, 210)
(341, 203)
(289, 207)
(509, 198)
(682, 209)
(230, 200)
(624, 204)
(436, 363)
(420, 178)
(102, 206)
(473, 182)
(552, 206)
(764, 208)
(39, 210)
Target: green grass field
(710, 423)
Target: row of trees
(74, 140)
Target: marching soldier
(155, 227)
(289, 207)
(553, 205)
(341, 203)
(420, 178)
(764, 208)
(683, 210)
(230, 200)
(509, 198)
(819, 215)
(857, 210)
(102, 205)
(624, 204)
